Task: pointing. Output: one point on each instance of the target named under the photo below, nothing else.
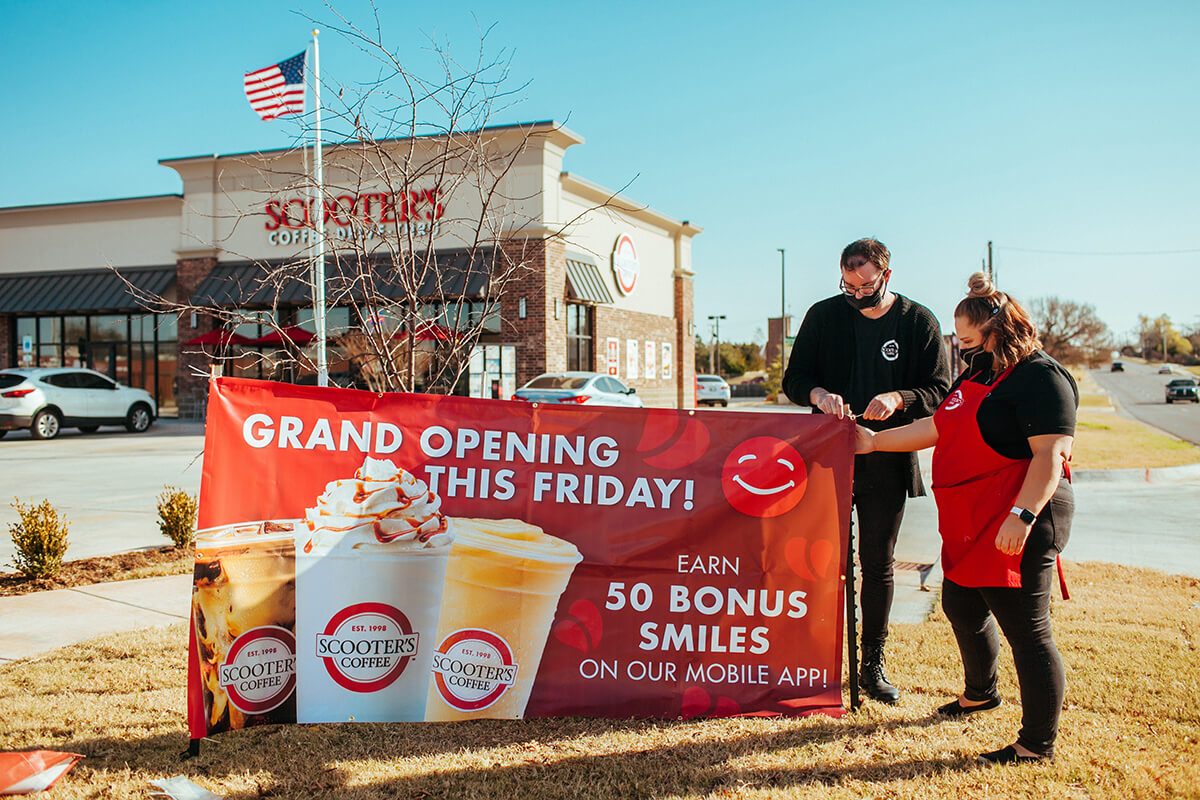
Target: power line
(1097, 253)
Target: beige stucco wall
(138, 232)
(595, 231)
(226, 197)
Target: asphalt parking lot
(106, 483)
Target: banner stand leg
(852, 621)
(192, 751)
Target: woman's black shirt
(1038, 397)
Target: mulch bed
(86, 571)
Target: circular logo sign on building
(260, 671)
(366, 646)
(625, 264)
(473, 669)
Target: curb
(1182, 474)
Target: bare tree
(1071, 332)
(416, 165)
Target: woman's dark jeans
(1024, 617)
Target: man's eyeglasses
(866, 290)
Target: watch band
(1027, 516)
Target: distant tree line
(1072, 333)
(736, 359)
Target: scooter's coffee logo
(473, 669)
(260, 671)
(366, 646)
(954, 400)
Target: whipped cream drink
(244, 618)
(503, 584)
(370, 566)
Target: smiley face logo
(764, 477)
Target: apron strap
(1062, 580)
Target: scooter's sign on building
(625, 264)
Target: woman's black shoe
(1009, 755)
(957, 709)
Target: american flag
(278, 89)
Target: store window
(135, 349)
(579, 337)
(492, 371)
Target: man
(872, 353)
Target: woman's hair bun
(980, 285)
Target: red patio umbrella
(293, 334)
(429, 332)
(220, 337)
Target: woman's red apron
(974, 487)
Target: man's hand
(883, 405)
(828, 402)
(1013, 533)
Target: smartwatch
(1027, 516)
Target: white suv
(47, 399)
(711, 390)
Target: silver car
(712, 390)
(578, 388)
(47, 399)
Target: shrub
(40, 539)
(177, 515)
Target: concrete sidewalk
(43, 621)
(36, 623)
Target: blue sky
(935, 126)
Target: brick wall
(8, 340)
(624, 325)
(540, 277)
(685, 343)
(193, 365)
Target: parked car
(1117, 366)
(1164, 370)
(1183, 389)
(579, 388)
(47, 399)
(712, 390)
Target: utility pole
(991, 269)
(716, 321)
(782, 296)
(783, 326)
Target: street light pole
(716, 321)
(782, 298)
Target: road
(1138, 393)
(1119, 518)
(107, 485)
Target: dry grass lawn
(1104, 440)
(1131, 728)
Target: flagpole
(318, 224)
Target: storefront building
(549, 271)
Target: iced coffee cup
(503, 584)
(244, 618)
(370, 566)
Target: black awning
(452, 273)
(82, 291)
(584, 282)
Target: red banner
(417, 557)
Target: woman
(1001, 440)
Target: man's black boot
(871, 678)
